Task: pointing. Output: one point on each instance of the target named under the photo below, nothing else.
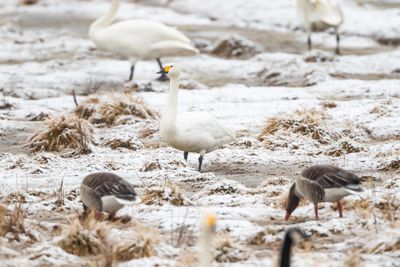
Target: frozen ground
(353, 99)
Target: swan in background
(322, 183)
(291, 235)
(138, 39)
(319, 15)
(106, 192)
(206, 240)
(197, 132)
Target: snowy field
(253, 71)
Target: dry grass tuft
(169, 193)
(345, 147)
(12, 222)
(392, 166)
(140, 247)
(228, 251)
(85, 239)
(235, 46)
(115, 109)
(159, 165)
(61, 133)
(328, 104)
(353, 260)
(129, 143)
(306, 122)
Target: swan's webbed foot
(185, 155)
(163, 77)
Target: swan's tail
(171, 48)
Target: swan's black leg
(185, 155)
(337, 42)
(132, 71)
(163, 77)
(200, 162)
(309, 42)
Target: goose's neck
(106, 19)
(169, 115)
(205, 254)
(286, 251)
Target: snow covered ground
(353, 101)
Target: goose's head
(292, 202)
(172, 70)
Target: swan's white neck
(169, 116)
(106, 19)
(206, 244)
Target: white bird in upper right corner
(319, 15)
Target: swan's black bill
(161, 72)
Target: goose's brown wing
(330, 176)
(310, 190)
(106, 184)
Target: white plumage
(197, 132)
(138, 39)
(319, 15)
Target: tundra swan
(197, 132)
(106, 192)
(138, 39)
(322, 183)
(206, 239)
(319, 15)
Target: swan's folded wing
(329, 12)
(169, 48)
(201, 130)
(340, 179)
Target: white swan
(197, 132)
(206, 239)
(319, 15)
(138, 39)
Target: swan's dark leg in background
(337, 42)
(132, 71)
(200, 162)
(185, 155)
(309, 41)
(163, 76)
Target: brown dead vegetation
(169, 193)
(343, 148)
(62, 133)
(306, 122)
(392, 166)
(112, 109)
(141, 246)
(12, 222)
